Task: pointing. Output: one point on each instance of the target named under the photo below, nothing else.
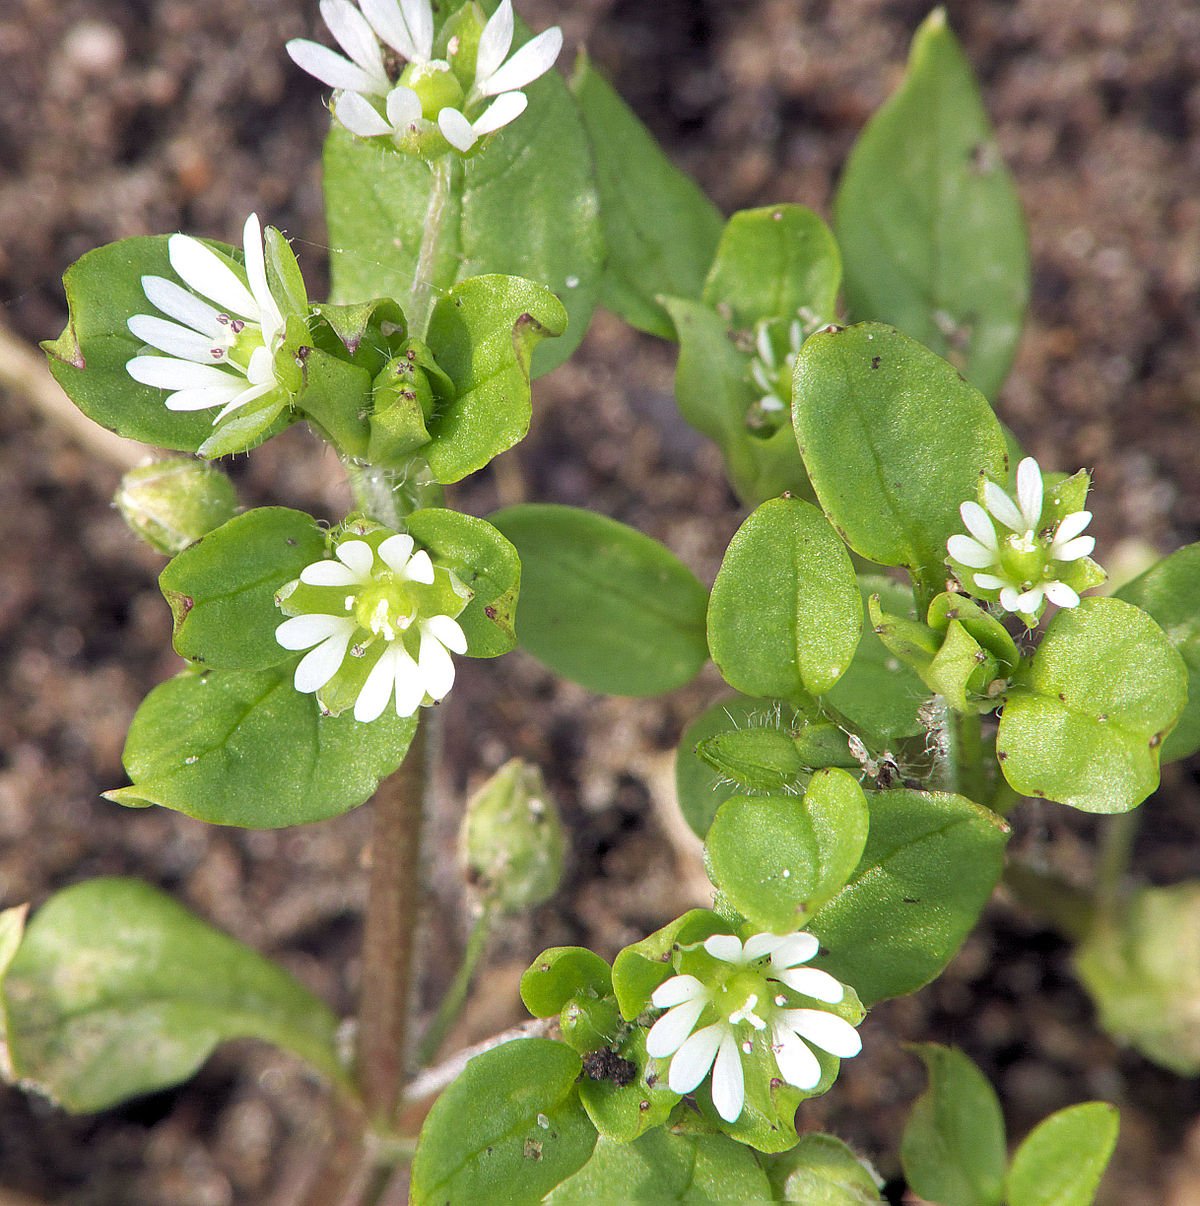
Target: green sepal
(249, 426)
(778, 859)
(117, 991)
(285, 281)
(407, 392)
(221, 590)
(246, 748)
(988, 632)
(758, 759)
(1085, 718)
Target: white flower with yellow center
(1025, 551)
(428, 92)
(745, 1005)
(220, 334)
(379, 625)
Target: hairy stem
(389, 940)
(435, 219)
(456, 994)
(374, 491)
(966, 757)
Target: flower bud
(511, 838)
(171, 503)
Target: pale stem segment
(435, 219)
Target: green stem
(965, 756)
(456, 994)
(374, 491)
(1116, 849)
(421, 303)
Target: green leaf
(930, 864)
(560, 973)
(701, 790)
(640, 968)
(222, 589)
(117, 991)
(483, 332)
(246, 748)
(894, 441)
(1141, 965)
(485, 561)
(603, 604)
(509, 1129)
(525, 205)
(1086, 717)
(1170, 593)
(760, 759)
(953, 1147)
(665, 1167)
(620, 1102)
(660, 228)
(879, 695)
(785, 613)
(821, 1171)
(773, 263)
(1062, 1159)
(777, 859)
(929, 220)
(715, 393)
(104, 290)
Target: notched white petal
(436, 665)
(667, 1035)
(302, 632)
(201, 269)
(495, 41)
(1003, 507)
(533, 60)
(456, 130)
(1061, 595)
(403, 107)
(418, 569)
(676, 990)
(797, 1064)
(799, 948)
(726, 947)
(970, 552)
(1073, 550)
(500, 112)
(825, 1030)
(359, 116)
(176, 302)
(448, 631)
(812, 982)
(356, 554)
(979, 524)
(172, 338)
(1029, 492)
(691, 1062)
(329, 67)
(728, 1082)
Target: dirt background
(123, 117)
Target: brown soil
(122, 117)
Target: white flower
(381, 602)
(219, 339)
(1018, 552)
(370, 103)
(745, 1007)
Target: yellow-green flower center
(387, 607)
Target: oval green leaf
(1169, 593)
(930, 864)
(785, 614)
(603, 604)
(1062, 1159)
(929, 220)
(1085, 719)
(117, 991)
(894, 441)
(822, 1171)
(560, 973)
(509, 1129)
(246, 748)
(953, 1149)
(777, 859)
(221, 590)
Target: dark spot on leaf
(490, 612)
(291, 540)
(1001, 755)
(458, 301)
(910, 900)
(875, 361)
(303, 352)
(606, 1064)
(1037, 791)
(1156, 740)
(1062, 696)
(777, 216)
(533, 1149)
(952, 614)
(776, 1083)
(643, 1105)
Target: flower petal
(1029, 492)
(356, 37)
(824, 1030)
(377, 690)
(1061, 595)
(181, 342)
(676, 990)
(303, 632)
(797, 1064)
(1003, 507)
(979, 524)
(668, 1034)
(403, 107)
(1010, 598)
(495, 41)
(176, 302)
(1030, 601)
(1073, 550)
(389, 24)
(456, 130)
(728, 1082)
(691, 1062)
(358, 555)
(812, 982)
(396, 550)
(436, 665)
(418, 16)
(970, 552)
(759, 945)
(534, 59)
(799, 948)
(201, 269)
(244, 399)
(990, 582)
(329, 573)
(505, 108)
(418, 569)
(448, 631)
(203, 398)
(359, 116)
(410, 683)
(1070, 527)
(329, 67)
(318, 666)
(165, 372)
(269, 318)
(726, 947)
